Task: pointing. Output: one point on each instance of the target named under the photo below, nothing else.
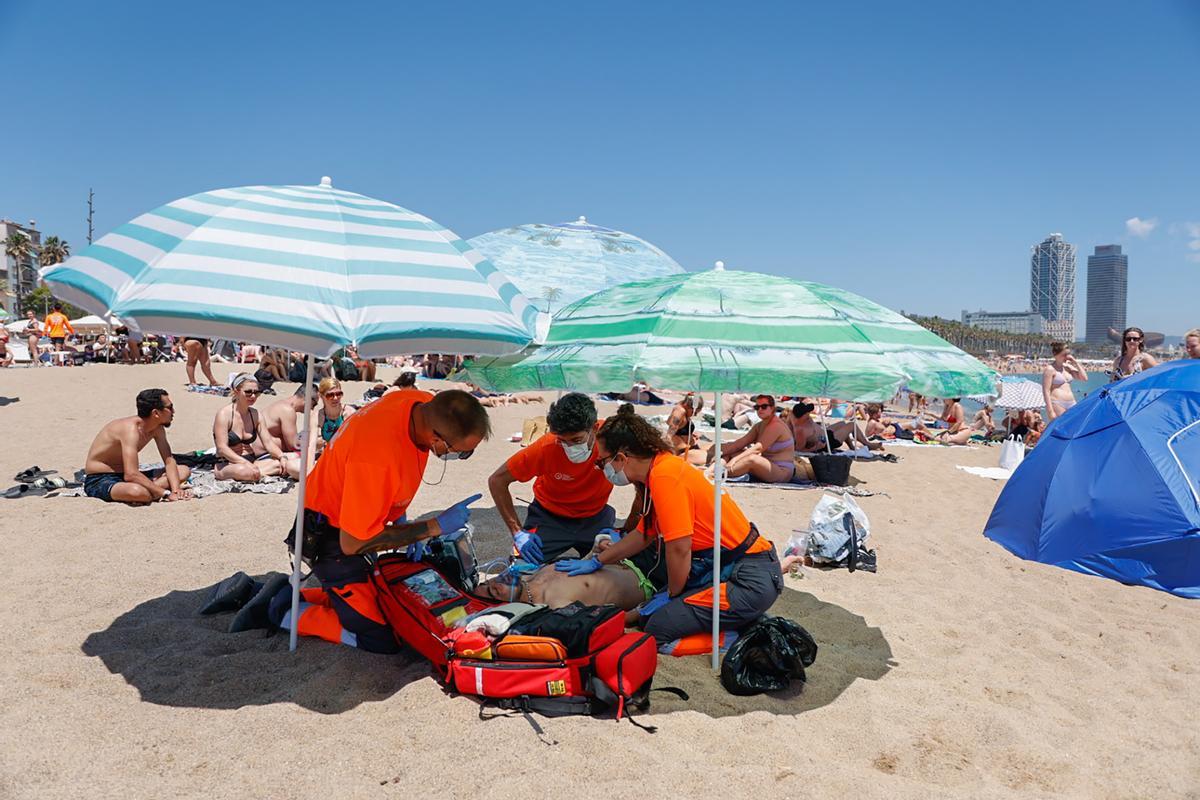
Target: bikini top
(1136, 368)
(329, 427)
(235, 440)
(1060, 378)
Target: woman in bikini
(1132, 359)
(681, 433)
(243, 454)
(767, 451)
(332, 412)
(1056, 380)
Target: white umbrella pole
(718, 479)
(304, 434)
(825, 426)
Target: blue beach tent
(1113, 487)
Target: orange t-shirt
(682, 503)
(371, 470)
(563, 488)
(56, 325)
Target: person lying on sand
(622, 585)
(112, 460)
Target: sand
(956, 671)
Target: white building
(17, 280)
(1004, 321)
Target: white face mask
(614, 477)
(578, 453)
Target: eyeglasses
(601, 463)
(170, 408)
(332, 394)
(761, 406)
(463, 455)
(1133, 338)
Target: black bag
(831, 470)
(582, 629)
(296, 372)
(345, 369)
(767, 657)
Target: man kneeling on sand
(112, 462)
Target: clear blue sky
(912, 152)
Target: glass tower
(1107, 287)
(1052, 286)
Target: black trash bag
(767, 657)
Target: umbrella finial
(582, 220)
(326, 182)
(719, 266)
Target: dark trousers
(560, 534)
(753, 586)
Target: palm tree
(18, 247)
(550, 294)
(54, 251)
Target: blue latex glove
(418, 550)
(529, 545)
(613, 534)
(456, 515)
(578, 566)
(654, 604)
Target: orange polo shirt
(369, 473)
(568, 490)
(57, 325)
(682, 503)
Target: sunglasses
(1133, 338)
(252, 392)
(332, 394)
(170, 408)
(761, 406)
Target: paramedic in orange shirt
(358, 496)
(57, 326)
(679, 515)
(570, 496)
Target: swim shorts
(58, 341)
(101, 484)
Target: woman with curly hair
(678, 518)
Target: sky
(910, 152)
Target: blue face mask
(614, 477)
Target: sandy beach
(956, 671)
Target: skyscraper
(1107, 287)
(1052, 286)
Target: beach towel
(201, 388)
(203, 483)
(995, 473)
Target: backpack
(571, 660)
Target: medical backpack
(572, 660)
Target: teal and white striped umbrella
(309, 268)
(730, 331)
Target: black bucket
(831, 470)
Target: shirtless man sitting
(280, 420)
(810, 436)
(112, 461)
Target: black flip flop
(12, 492)
(31, 474)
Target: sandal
(32, 474)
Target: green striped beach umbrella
(728, 331)
(731, 331)
(308, 268)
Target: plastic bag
(828, 540)
(1012, 453)
(767, 657)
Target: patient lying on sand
(622, 585)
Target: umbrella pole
(825, 426)
(718, 479)
(299, 547)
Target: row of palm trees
(19, 247)
(978, 341)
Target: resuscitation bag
(767, 657)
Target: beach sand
(956, 671)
